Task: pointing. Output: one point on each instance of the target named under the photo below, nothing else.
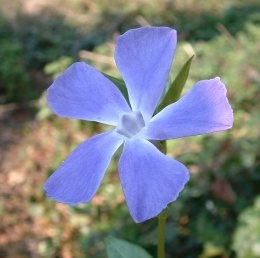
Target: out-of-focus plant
(15, 84)
(247, 237)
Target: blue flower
(150, 180)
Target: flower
(150, 180)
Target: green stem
(162, 216)
(161, 233)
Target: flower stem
(162, 216)
(161, 233)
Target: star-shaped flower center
(130, 124)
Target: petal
(79, 176)
(144, 57)
(204, 109)
(82, 92)
(150, 180)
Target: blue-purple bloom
(150, 180)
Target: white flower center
(130, 124)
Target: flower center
(130, 124)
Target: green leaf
(117, 248)
(176, 87)
(120, 85)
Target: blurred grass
(214, 215)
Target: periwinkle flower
(150, 180)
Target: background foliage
(217, 215)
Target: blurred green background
(217, 215)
